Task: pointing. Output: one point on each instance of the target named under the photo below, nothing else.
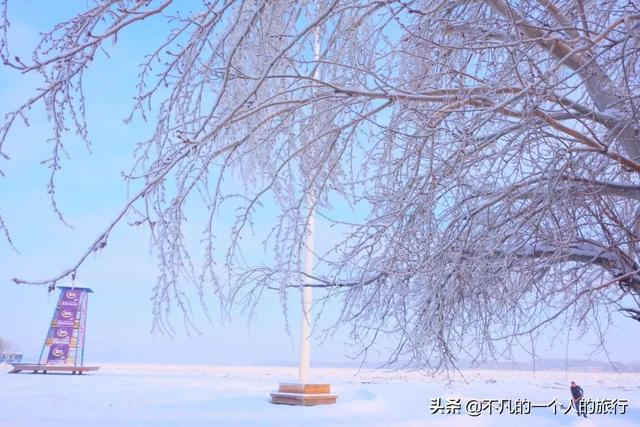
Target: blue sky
(90, 192)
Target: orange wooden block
(303, 394)
(304, 388)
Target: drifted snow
(156, 395)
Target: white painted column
(307, 298)
(307, 290)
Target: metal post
(83, 326)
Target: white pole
(307, 297)
(307, 290)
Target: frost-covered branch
(490, 151)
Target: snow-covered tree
(5, 346)
(493, 145)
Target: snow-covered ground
(155, 395)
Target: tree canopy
(493, 145)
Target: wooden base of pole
(303, 394)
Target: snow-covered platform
(199, 396)
(40, 368)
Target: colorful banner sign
(58, 354)
(62, 335)
(65, 340)
(70, 298)
(66, 316)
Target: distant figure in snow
(576, 397)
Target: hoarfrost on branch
(493, 145)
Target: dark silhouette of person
(576, 396)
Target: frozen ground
(154, 395)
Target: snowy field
(155, 395)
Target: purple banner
(58, 354)
(62, 334)
(65, 331)
(70, 298)
(66, 316)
